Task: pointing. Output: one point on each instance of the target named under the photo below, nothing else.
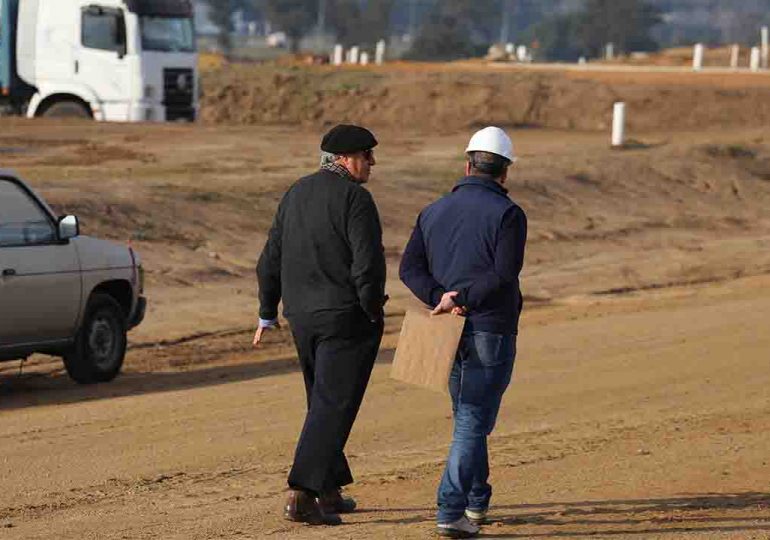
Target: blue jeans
(480, 376)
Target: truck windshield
(168, 34)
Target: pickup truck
(63, 293)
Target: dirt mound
(446, 100)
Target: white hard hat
(493, 140)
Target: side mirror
(69, 227)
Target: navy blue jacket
(470, 241)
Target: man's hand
(447, 304)
(260, 332)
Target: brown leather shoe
(334, 503)
(304, 508)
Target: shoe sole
(450, 533)
(311, 523)
(340, 511)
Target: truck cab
(110, 60)
(63, 293)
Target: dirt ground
(639, 407)
(463, 95)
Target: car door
(40, 282)
(102, 61)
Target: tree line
(352, 21)
(448, 29)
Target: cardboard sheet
(427, 348)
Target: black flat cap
(347, 139)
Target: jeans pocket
(488, 349)
(486, 367)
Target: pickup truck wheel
(66, 109)
(100, 345)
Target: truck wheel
(100, 344)
(66, 109)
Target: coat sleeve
(509, 260)
(368, 255)
(415, 273)
(269, 269)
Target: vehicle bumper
(138, 316)
(149, 111)
(146, 111)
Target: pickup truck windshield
(168, 34)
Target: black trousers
(337, 352)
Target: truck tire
(66, 109)
(100, 345)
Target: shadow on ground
(715, 513)
(38, 389)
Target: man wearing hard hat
(464, 257)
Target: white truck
(61, 293)
(110, 60)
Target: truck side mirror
(69, 227)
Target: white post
(609, 51)
(582, 60)
(697, 57)
(354, 53)
(364, 58)
(755, 59)
(619, 124)
(339, 51)
(379, 54)
(510, 48)
(521, 53)
(765, 46)
(735, 54)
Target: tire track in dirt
(683, 283)
(263, 484)
(117, 491)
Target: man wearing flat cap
(324, 257)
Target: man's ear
(342, 160)
(467, 168)
(504, 176)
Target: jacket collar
(481, 181)
(339, 170)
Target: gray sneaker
(477, 517)
(462, 528)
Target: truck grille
(178, 93)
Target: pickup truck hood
(96, 254)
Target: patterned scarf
(340, 171)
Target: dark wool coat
(324, 252)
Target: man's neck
(487, 178)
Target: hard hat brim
(512, 159)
